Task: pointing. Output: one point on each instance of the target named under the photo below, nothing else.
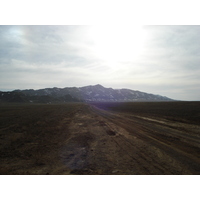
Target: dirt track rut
(102, 142)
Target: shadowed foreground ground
(103, 138)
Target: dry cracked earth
(86, 139)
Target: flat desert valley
(140, 138)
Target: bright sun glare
(117, 43)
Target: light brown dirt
(110, 143)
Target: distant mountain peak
(98, 85)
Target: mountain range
(92, 93)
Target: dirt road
(105, 142)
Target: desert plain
(100, 138)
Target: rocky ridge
(92, 93)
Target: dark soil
(102, 138)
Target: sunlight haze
(160, 60)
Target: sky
(155, 59)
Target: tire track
(138, 155)
(148, 134)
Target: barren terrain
(100, 138)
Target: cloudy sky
(154, 59)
